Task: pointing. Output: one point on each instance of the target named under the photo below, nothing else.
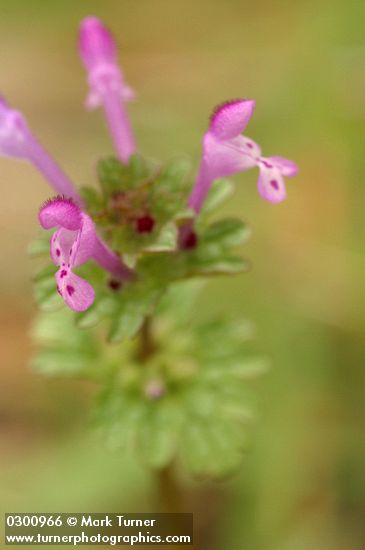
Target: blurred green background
(302, 484)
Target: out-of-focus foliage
(187, 394)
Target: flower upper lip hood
(96, 43)
(227, 152)
(229, 119)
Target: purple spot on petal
(274, 184)
(70, 250)
(70, 289)
(267, 164)
(249, 145)
(59, 290)
(58, 252)
(63, 273)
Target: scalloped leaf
(159, 432)
(114, 176)
(226, 233)
(45, 289)
(220, 191)
(64, 351)
(166, 240)
(135, 303)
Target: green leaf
(210, 451)
(45, 289)
(40, 246)
(169, 191)
(166, 240)
(226, 233)
(159, 432)
(240, 369)
(92, 198)
(136, 302)
(140, 169)
(174, 177)
(220, 191)
(212, 446)
(113, 176)
(102, 307)
(204, 264)
(64, 351)
(119, 416)
(63, 362)
(181, 298)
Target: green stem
(169, 493)
(170, 496)
(147, 346)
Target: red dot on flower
(274, 184)
(190, 241)
(145, 224)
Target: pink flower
(73, 244)
(17, 141)
(227, 152)
(107, 87)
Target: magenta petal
(74, 248)
(271, 185)
(85, 242)
(225, 158)
(231, 118)
(76, 292)
(62, 242)
(249, 146)
(13, 132)
(287, 167)
(96, 43)
(60, 211)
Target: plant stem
(169, 493)
(170, 496)
(147, 346)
